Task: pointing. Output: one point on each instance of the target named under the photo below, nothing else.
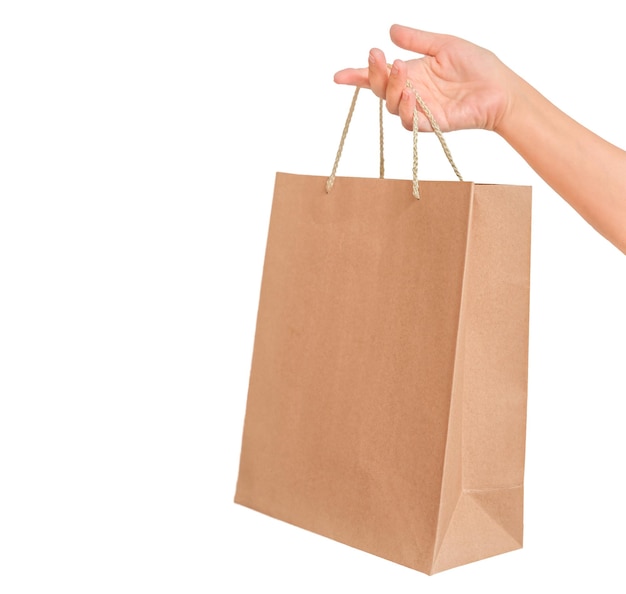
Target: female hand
(464, 85)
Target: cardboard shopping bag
(387, 396)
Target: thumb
(421, 42)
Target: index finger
(415, 40)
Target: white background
(138, 146)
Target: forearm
(587, 171)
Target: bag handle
(331, 180)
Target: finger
(395, 86)
(406, 109)
(378, 73)
(358, 77)
(421, 42)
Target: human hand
(464, 85)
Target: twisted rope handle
(438, 133)
(331, 180)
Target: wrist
(514, 103)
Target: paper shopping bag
(387, 397)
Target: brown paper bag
(387, 396)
